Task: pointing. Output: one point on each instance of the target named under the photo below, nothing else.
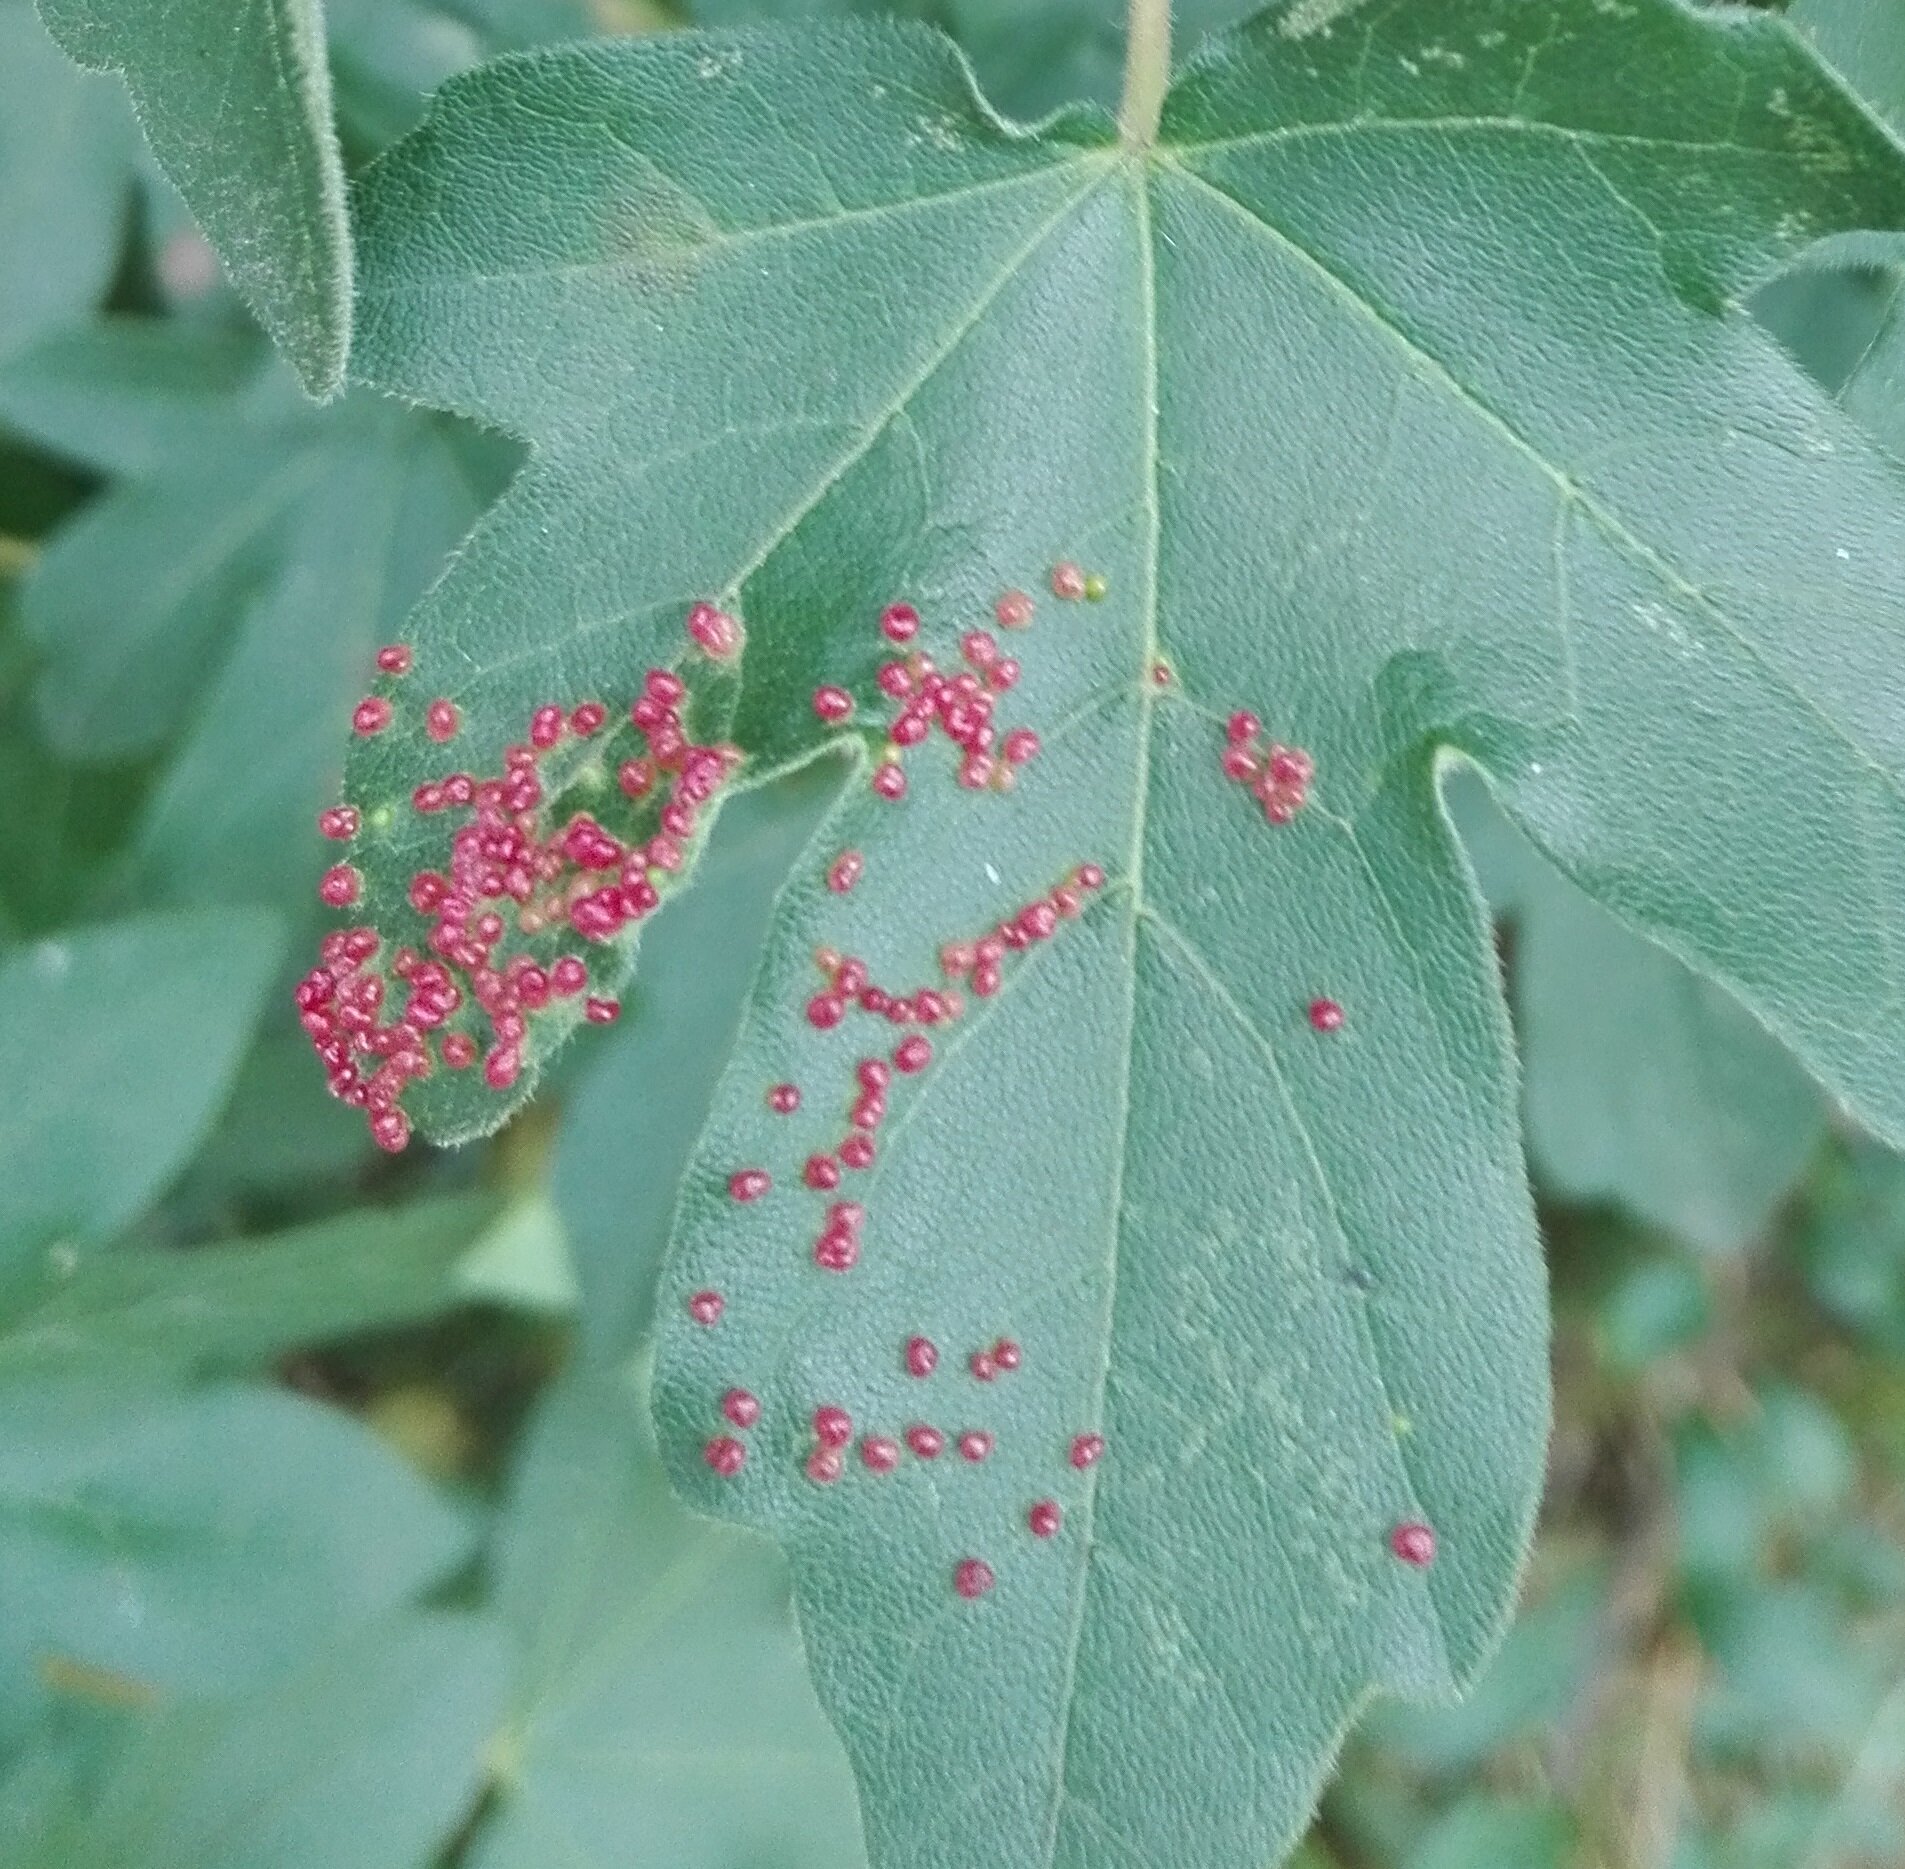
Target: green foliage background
(330, 1528)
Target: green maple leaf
(1401, 394)
(236, 103)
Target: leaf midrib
(1134, 876)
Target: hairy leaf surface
(1402, 396)
(235, 100)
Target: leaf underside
(1402, 397)
(236, 103)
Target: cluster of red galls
(979, 962)
(1278, 776)
(510, 878)
(961, 705)
(849, 987)
(833, 1434)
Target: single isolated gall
(972, 1578)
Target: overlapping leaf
(1401, 395)
(224, 602)
(659, 1707)
(236, 102)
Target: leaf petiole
(1147, 72)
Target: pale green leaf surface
(65, 181)
(659, 1712)
(1852, 1244)
(127, 396)
(1643, 1084)
(229, 599)
(1874, 392)
(391, 496)
(125, 1038)
(1403, 395)
(130, 601)
(523, 1260)
(235, 99)
(191, 1543)
(234, 1306)
(375, 1747)
(631, 1125)
(1865, 40)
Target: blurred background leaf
(235, 1305)
(1642, 1084)
(187, 1543)
(639, 1107)
(66, 152)
(659, 1690)
(370, 1753)
(138, 1028)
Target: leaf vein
(1616, 530)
